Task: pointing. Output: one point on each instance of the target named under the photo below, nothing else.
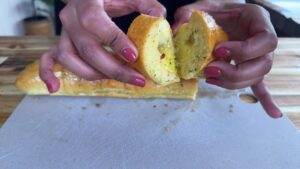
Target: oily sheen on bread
(195, 42)
(70, 85)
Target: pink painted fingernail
(222, 53)
(212, 72)
(139, 82)
(212, 81)
(129, 55)
(53, 86)
(50, 87)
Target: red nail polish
(50, 87)
(212, 72)
(212, 81)
(139, 82)
(53, 86)
(129, 55)
(222, 53)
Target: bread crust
(70, 85)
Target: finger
(242, 72)
(151, 7)
(90, 51)
(95, 20)
(227, 84)
(261, 38)
(46, 72)
(262, 94)
(67, 56)
(182, 15)
(252, 48)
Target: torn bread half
(195, 42)
(154, 40)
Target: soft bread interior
(154, 40)
(195, 42)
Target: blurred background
(39, 17)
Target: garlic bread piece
(154, 41)
(195, 42)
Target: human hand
(87, 26)
(252, 42)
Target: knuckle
(62, 56)
(163, 10)
(273, 40)
(63, 14)
(88, 16)
(118, 75)
(113, 39)
(268, 64)
(259, 9)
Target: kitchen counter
(16, 52)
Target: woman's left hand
(252, 42)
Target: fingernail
(212, 81)
(50, 87)
(222, 53)
(212, 72)
(129, 55)
(139, 82)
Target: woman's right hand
(87, 26)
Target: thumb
(151, 7)
(182, 15)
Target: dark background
(285, 27)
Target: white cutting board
(215, 131)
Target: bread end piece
(154, 41)
(30, 83)
(195, 42)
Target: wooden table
(283, 81)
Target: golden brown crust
(216, 35)
(70, 85)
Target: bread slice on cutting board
(195, 42)
(159, 61)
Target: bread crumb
(230, 108)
